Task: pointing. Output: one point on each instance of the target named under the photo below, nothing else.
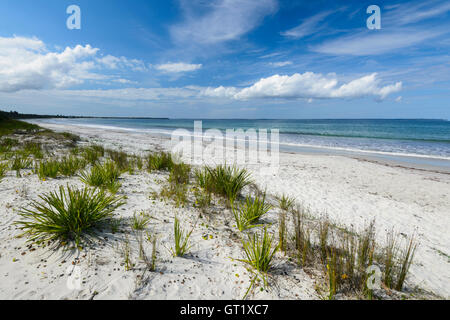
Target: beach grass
(159, 161)
(67, 214)
(259, 251)
(181, 239)
(140, 221)
(104, 176)
(223, 180)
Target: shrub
(67, 215)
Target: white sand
(352, 192)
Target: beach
(351, 191)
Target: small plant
(33, 148)
(3, 169)
(179, 173)
(103, 176)
(159, 162)
(20, 162)
(126, 252)
(255, 208)
(47, 169)
(242, 221)
(140, 221)
(282, 231)
(324, 227)
(176, 192)
(406, 258)
(151, 264)
(259, 252)
(302, 239)
(285, 203)
(223, 180)
(67, 214)
(202, 199)
(69, 166)
(120, 158)
(181, 240)
(93, 154)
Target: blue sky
(226, 59)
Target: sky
(226, 59)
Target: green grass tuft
(67, 215)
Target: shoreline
(407, 161)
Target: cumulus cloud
(308, 85)
(26, 63)
(178, 67)
(222, 20)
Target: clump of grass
(19, 163)
(397, 261)
(282, 231)
(4, 166)
(33, 148)
(159, 161)
(140, 221)
(176, 192)
(181, 246)
(259, 251)
(70, 165)
(68, 214)
(285, 203)
(120, 158)
(126, 252)
(250, 211)
(151, 264)
(203, 199)
(223, 180)
(47, 169)
(324, 227)
(179, 173)
(103, 176)
(302, 239)
(93, 153)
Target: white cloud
(26, 63)
(408, 13)
(112, 62)
(308, 85)
(178, 67)
(375, 43)
(307, 27)
(224, 19)
(281, 63)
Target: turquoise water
(419, 138)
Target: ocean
(415, 140)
